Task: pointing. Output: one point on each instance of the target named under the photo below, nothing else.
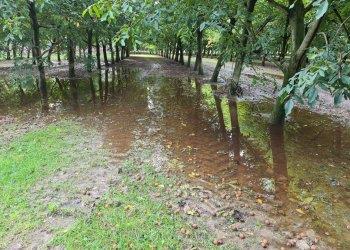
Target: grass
(25, 161)
(133, 219)
(128, 216)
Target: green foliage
(328, 70)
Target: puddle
(303, 171)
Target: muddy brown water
(302, 169)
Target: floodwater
(303, 169)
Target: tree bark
(189, 58)
(89, 44)
(117, 56)
(98, 52)
(104, 49)
(8, 54)
(219, 64)
(37, 55)
(177, 52)
(112, 51)
(199, 49)
(182, 61)
(240, 57)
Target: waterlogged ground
(175, 141)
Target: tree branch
(342, 22)
(308, 39)
(278, 6)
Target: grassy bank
(26, 161)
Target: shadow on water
(303, 169)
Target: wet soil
(248, 182)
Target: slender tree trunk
(104, 48)
(59, 53)
(177, 52)
(37, 54)
(182, 61)
(112, 51)
(284, 40)
(117, 56)
(123, 53)
(72, 79)
(89, 44)
(98, 53)
(219, 64)
(14, 50)
(106, 92)
(240, 57)
(21, 52)
(199, 49)
(8, 53)
(235, 128)
(127, 51)
(173, 53)
(279, 160)
(71, 57)
(189, 58)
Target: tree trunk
(279, 160)
(199, 50)
(71, 66)
(284, 40)
(104, 48)
(14, 50)
(89, 57)
(21, 52)
(235, 129)
(297, 57)
(189, 58)
(37, 54)
(177, 52)
(59, 53)
(240, 57)
(123, 53)
(117, 56)
(297, 25)
(98, 53)
(112, 51)
(182, 61)
(219, 64)
(8, 53)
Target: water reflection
(224, 140)
(279, 160)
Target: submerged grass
(128, 217)
(25, 161)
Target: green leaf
(288, 107)
(345, 80)
(202, 26)
(321, 9)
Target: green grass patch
(128, 217)
(24, 162)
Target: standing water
(302, 170)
